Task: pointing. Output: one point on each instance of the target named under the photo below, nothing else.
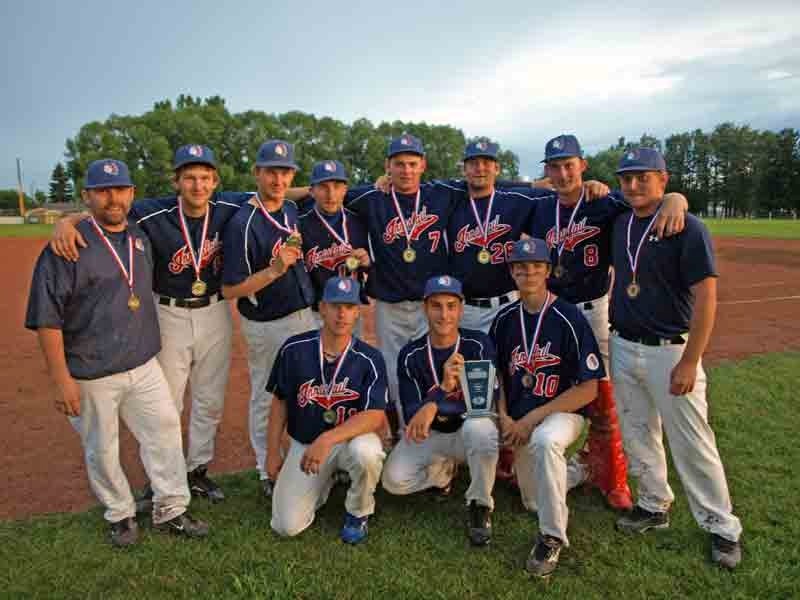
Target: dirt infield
(41, 456)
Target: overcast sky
(520, 72)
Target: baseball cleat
(200, 484)
(267, 488)
(144, 503)
(640, 520)
(184, 525)
(479, 527)
(124, 533)
(342, 478)
(725, 553)
(543, 559)
(354, 530)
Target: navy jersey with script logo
(393, 279)
(174, 272)
(566, 354)
(511, 216)
(324, 255)
(417, 383)
(251, 243)
(666, 271)
(88, 301)
(586, 242)
(360, 384)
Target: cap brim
(447, 292)
(323, 179)
(562, 155)
(641, 168)
(99, 186)
(390, 155)
(277, 163)
(481, 155)
(519, 260)
(207, 163)
(342, 301)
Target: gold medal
(294, 240)
(199, 288)
(352, 263)
(633, 290)
(329, 416)
(409, 255)
(527, 381)
(558, 272)
(484, 256)
(134, 303)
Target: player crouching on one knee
(436, 435)
(550, 365)
(329, 394)
(97, 326)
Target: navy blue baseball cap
(405, 143)
(563, 146)
(107, 173)
(276, 153)
(529, 250)
(641, 159)
(194, 154)
(328, 170)
(443, 284)
(481, 148)
(341, 290)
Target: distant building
(50, 213)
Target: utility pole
(20, 192)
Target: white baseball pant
(396, 323)
(641, 377)
(264, 340)
(297, 496)
(141, 398)
(413, 467)
(196, 348)
(598, 321)
(542, 472)
(481, 319)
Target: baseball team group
(595, 307)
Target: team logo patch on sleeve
(592, 362)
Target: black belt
(652, 340)
(486, 302)
(189, 302)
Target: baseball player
(97, 326)
(185, 232)
(437, 434)
(577, 230)
(334, 240)
(662, 314)
(550, 365)
(263, 268)
(407, 235)
(329, 393)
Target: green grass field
(417, 547)
(785, 229)
(37, 231)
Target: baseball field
(53, 539)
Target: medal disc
(134, 303)
(484, 257)
(199, 288)
(527, 380)
(409, 255)
(633, 290)
(329, 416)
(351, 263)
(558, 271)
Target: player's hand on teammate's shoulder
(66, 239)
(384, 183)
(595, 190)
(672, 216)
(68, 397)
(419, 427)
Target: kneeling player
(550, 365)
(436, 435)
(329, 393)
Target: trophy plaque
(477, 385)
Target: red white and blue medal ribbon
(483, 228)
(339, 363)
(345, 241)
(633, 260)
(400, 214)
(198, 256)
(430, 357)
(549, 299)
(127, 274)
(560, 244)
(285, 227)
